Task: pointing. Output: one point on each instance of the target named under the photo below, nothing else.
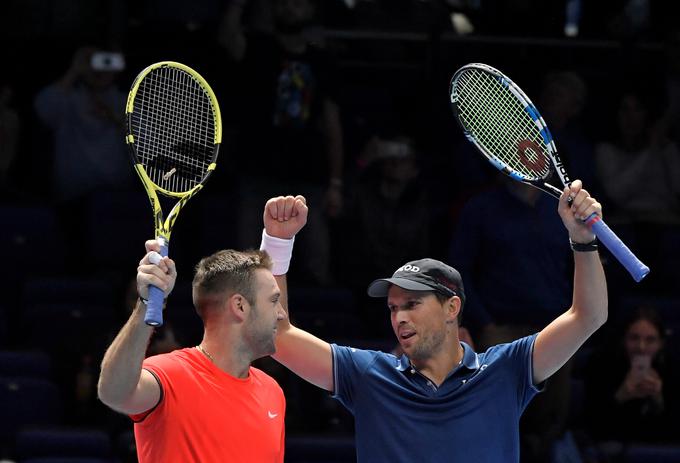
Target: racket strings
(174, 129)
(499, 122)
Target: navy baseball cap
(422, 275)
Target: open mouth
(406, 334)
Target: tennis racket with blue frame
(174, 131)
(505, 126)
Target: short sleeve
(158, 366)
(349, 366)
(520, 353)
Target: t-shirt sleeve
(158, 366)
(349, 366)
(520, 353)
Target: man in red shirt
(207, 403)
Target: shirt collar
(470, 360)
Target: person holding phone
(632, 387)
(83, 111)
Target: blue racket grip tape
(154, 309)
(637, 269)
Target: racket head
(502, 122)
(174, 128)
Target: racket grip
(154, 308)
(637, 269)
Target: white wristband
(280, 250)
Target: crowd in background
(345, 101)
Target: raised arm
(304, 354)
(557, 342)
(123, 385)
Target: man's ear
(453, 309)
(238, 306)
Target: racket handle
(637, 269)
(154, 308)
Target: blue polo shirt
(401, 416)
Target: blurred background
(345, 101)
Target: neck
(438, 366)
(226, 355)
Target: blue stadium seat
(28, 401)
(62, 442)
(652, 454)
(68, 328)
(27, 364)
(29, 234)
(99, 291)
(118, 223)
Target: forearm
(590, 290)
(122, 364)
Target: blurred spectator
(507, 239)
(85, 111)
(289, 133)
(511, 226)
(563, 97)
(389, 196)
(402, 15)
(628, 19)
(639, 171)
(632, 388)
(10, 126)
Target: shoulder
(172, 361)
(519, 348)
(263, 379)
(363, 359)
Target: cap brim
(379, 288)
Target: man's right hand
(285, 216)
(162, 275)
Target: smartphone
(640, 364)
(107, 61)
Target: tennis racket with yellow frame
(174, 131)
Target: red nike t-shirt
(206, 415)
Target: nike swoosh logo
(272, 415)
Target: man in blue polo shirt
(394, 399)
(441, 401)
